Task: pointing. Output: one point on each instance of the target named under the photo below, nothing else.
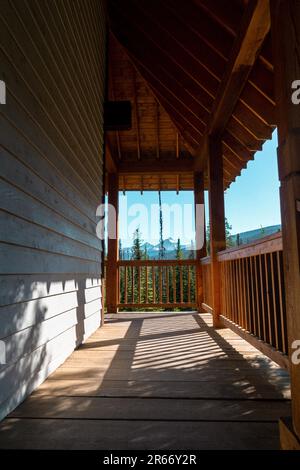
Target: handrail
(268, 244)
(252, 293)
(205, 260)
(157, 262)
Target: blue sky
(251, 201)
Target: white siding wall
(52, 59)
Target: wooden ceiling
(190, 68)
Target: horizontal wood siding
(52, 57)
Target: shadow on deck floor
(155, 381)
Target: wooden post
(285, 27)
(200, 252)
(217, 220)
(112, 282)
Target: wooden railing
(157, 284)
(206, 279)
(252, 290)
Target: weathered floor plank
(155, 381)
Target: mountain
(171, 245)
(252, 235)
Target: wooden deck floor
(155, 381)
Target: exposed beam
(203, 25)
(182, 40)
(178, 165)
(193, 119)
(125, 25)
(228, 18)
(254, 28)
(261, 106)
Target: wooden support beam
(176, 165)
(200, 251)
(254, 28)
(112, 285)
(285, 27)
(217, 221)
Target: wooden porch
(156, 381)
(207, 86)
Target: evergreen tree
(179, 256)
(178, 250)
(136, 250)
(191, 270)
(161, 240)
(120, 250)
(139, 274)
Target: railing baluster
(248, 311)
(252, 308)
(258, 314)
(139, 284)
(252, 293)
(181, 285)
(160, 285)
(167, 285)
(174, 286)
(125, 285)
(146, 287)
(245, 320)
(132, 284)
(262, 290)
(270, 339)
(280, 282)
(189, 285)
(153, 285)
(274, 309)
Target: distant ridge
(252, 235)
(170, 244)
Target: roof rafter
(254, 28)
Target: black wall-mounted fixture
(117, 116)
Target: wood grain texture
(155, 380)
